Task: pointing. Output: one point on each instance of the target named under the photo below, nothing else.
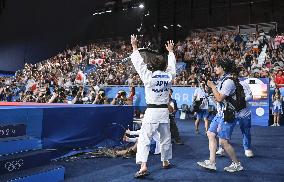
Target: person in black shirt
(173, 126)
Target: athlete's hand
(127, 131)
(125, 138)
(134, 42)
(170, 45)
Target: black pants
(174, 130)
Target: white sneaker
(277, 124)
(220, 152)
(273, 124)
(249, 153)
(234, 167)
(208, 165)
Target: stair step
(17, 145)
(24, 160)
(47, 173)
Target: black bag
(234, 105)
(229, 113)
(184, 108)
(196, 105)
(240, 102)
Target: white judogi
(156, 138)
(157, 86)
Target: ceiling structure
(180, 16)
(33, 30)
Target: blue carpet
(267, 165)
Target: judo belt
(157, 106)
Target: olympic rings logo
(14, 165)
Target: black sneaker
(178, 142)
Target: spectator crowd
(78, 75)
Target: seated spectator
(279, 79)
(255, 46)
(255, 65)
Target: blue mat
(267, 165)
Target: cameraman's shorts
(222, 129)
(202, 113)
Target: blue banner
(183, 95)
(260, 103)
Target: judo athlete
(157, 76)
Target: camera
(118, 95)
(61, 94)
(102, 94)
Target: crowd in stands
(77, 75)
(256, 55)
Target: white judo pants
(144, 140)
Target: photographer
(201, 107)
(58, 96)
(120, 99)
(29, 97)
(101, 98)
(222, 124)
(78, 99)
(89, 97)
(244, 120)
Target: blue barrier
(86, 125)
(65, 126)
(21, 115)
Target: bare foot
(166, 163)
(143, 167)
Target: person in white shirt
(157, 76)
(202, 113)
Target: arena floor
(267, 165)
